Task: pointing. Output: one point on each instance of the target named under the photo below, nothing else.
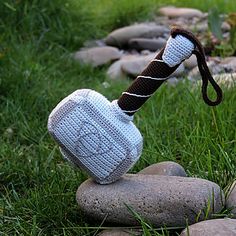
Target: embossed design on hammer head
(91, 141)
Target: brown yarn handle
(144, 87)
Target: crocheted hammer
(99, 136)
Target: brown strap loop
(206, 76)
(202, 66)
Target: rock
(173, 12)
(121, 37)
(178, 72)
(227, 80)
(200, 27)
(94, 43)
(191, 62)
(169, 168)
(161, 20)
(134, 65)
(180, 22)
(149, 44)
(231, 200)
(98, 56)
(216, 227)
(115, 71)
(225, 26)
(145, 52)
(229, 64)
(9, 133)
(161, 200)
(213, 67)
(131, 65)
(173, 81)
(118, 232)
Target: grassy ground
(37, 188)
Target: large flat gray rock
(162, 200)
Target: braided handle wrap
(166, 62)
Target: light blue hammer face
(95, 135)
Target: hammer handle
(145, 85)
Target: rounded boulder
(120, 37)
(161, 200)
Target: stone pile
(132, 47)
(163, 195)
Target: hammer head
(95, 135)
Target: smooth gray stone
(231, 200)
(173, 12)
(161, 200)
(179, 71)
(216, 227)
(229, 64)
(169, 168)
(225, 26)
(121, 36)
(134, 65)
(228, 80)
(98, 56)
(213, 67)
(131, 65)
(199, 27)
(191, 62)
(148, 44)
(115, 71)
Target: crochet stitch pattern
(99, 136)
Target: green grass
(37, 188)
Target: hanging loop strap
(202, 66)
